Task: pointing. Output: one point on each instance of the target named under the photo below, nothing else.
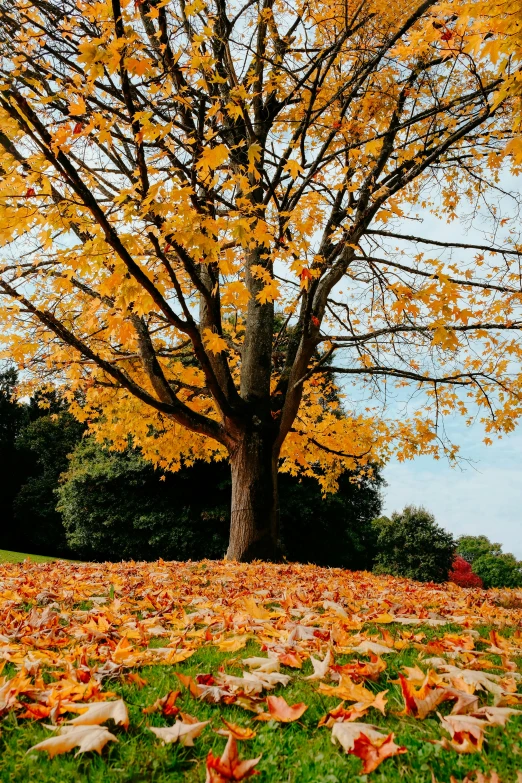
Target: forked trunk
(254, 519)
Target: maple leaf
(362, 670)
(280, 710)
(266, 665)
(373, 754)
(228, 766)
(366, 742)
(321, 668)
(99, 712)
(85, 738)
(183, 732)
(214, 342)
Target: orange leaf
(280, 710)
(238, 732)
(228, 766)
(374, 754)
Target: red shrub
(462, 574)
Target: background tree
(172, 173)
(334, 530)
(13, 416)
(47, 440)
(411, 544)
(495, 567)
(472, 547)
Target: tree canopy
(176, 176)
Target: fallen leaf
(99, 712)
(85, 738)
(239, 732)
(280, 710)
(228, 766)
(321, 668)
(184, 733)
(374, 753)
(166, 705)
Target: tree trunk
(254, 519)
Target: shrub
(333, 530)
(116, 506)
(462, 574)
(411, 544)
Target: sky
(484, 495)
(481, 497)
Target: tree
(411, 544)
(495, 567)
(502, 570)
(174, 175)
(461, 573)
(48, 439)
(115, 504)
(334, 530)
(472, 547)
(13, 416)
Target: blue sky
(485, 495)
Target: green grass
(19, 557)
(293, 753)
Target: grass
(294, 753)
(299, 752)
(19, 557)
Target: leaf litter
(68, 630)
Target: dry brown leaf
(239, 732)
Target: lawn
(72, 634)
(19, 557)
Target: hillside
(323, 675)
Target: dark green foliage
(412, 545)
(495, 568)
(14, 463)
(335, 530)
(49, 440)
(472, 547)
(502, 570)
(117, 506)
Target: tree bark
(254, 518)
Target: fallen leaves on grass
(68, 630)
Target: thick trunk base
(254, 520)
